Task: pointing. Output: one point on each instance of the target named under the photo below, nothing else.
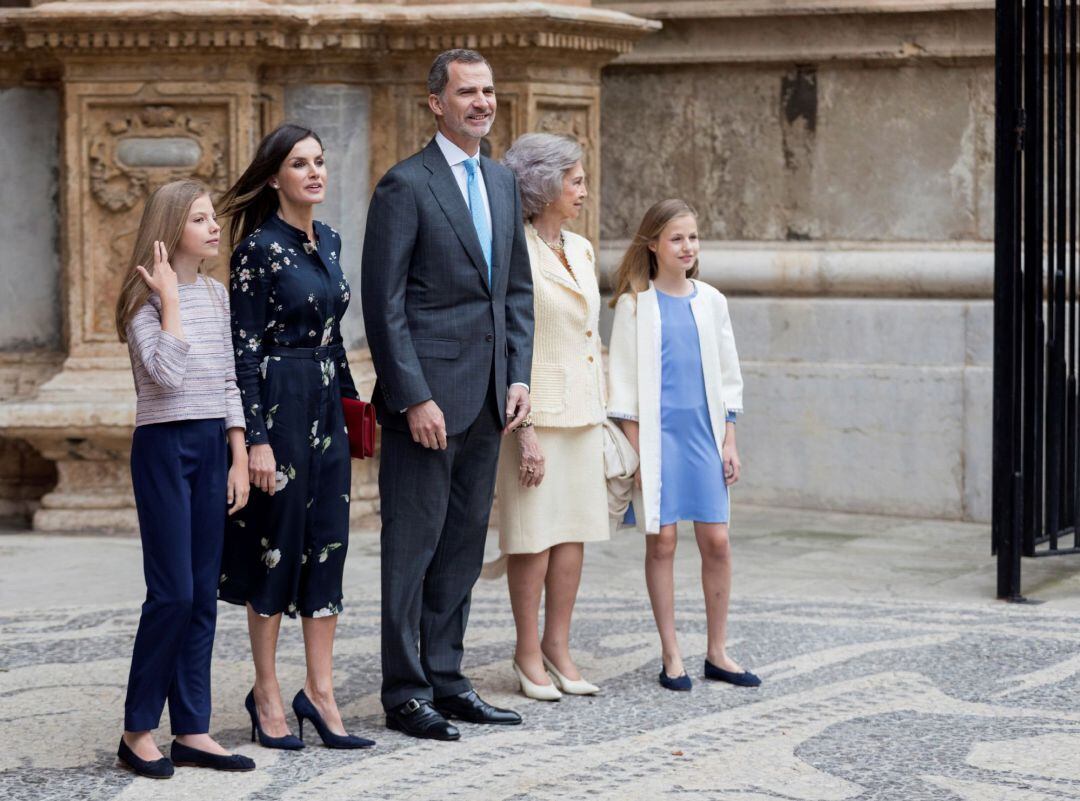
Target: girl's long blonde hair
(163, 218)
(638, 265)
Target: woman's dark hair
(251, 201)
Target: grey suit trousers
(435, 509)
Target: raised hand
(162, 278)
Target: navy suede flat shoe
(186, 756)
(744, 679)
(151, 769)
(679, 683)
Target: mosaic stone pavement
(862, 700)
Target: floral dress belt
(318, 354)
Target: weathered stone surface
(29, 220)
(890, 402)
(768, 153)
(341, 114)
(850, 331)
(978, 442)
(862, 187)
(708, 135)
(860, 438)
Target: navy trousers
(178, 470)
(435, 508)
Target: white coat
(634, 379)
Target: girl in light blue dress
(675, 387)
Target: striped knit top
(193, 378)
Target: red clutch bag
(360, 420)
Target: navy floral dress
(286, 552)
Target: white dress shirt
(456, 158)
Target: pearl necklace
(559, 248)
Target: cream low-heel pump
(575, 687)
(538, 692)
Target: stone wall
(341, 113)
(892, 152)
(151, 94)
(840, 156)
(29, 219)
(839, 153)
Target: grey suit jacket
(433, 323)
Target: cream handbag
(620, 465)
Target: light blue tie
(476, 208)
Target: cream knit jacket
(568, 387)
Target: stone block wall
(840, 156)
(29, 219)
(891, 152)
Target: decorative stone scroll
(133, 144)
(577, 117)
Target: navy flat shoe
(290, 742)
(744, 679)
(679, 683)
(304, 709)
(186, 756)
(156, 769)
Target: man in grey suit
(447, 297)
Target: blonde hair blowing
(164, 217)
(638, 265)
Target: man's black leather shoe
(471, 708)
(416, 718)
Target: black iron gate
(1036, 456)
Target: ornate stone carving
(577, 117)
(119, 185)
(158, 138)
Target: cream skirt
(570, 505)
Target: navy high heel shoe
(304, 709)
(744, 679)
(289, 742)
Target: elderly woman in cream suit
(551, 486)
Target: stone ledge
(675, 9)
(112, 26)
(860, 269)
(813, 31)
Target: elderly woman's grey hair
(540, 160)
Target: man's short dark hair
(439, 74)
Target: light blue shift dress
(692, 483)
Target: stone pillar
(151, 96)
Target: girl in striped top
(176, 324)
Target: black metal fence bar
(1036, 477)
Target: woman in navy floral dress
(286, 553)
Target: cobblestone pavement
(888, 674)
